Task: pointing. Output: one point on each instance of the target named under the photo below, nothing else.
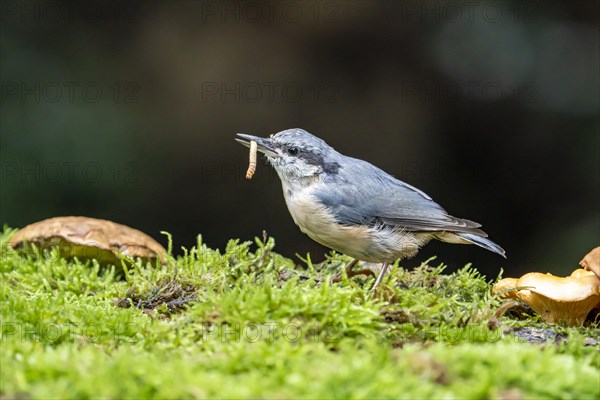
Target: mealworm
(252, 163)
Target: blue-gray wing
(363, 194)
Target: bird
(355, 208)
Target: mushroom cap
(591, 262)
(563, 300)
(506, 288)
(86, 238)
(580, 272)
(561, 289)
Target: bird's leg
(380, 277)
(350, 273)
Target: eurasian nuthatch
(356, 208)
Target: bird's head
(296, 155)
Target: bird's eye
(292, 151)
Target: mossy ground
(249, 323)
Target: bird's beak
(264, 145)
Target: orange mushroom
(560, 300)
(506, 288)
(579, 272)
(591, 262)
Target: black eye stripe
(311, 156)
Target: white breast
(360, 242)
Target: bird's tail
(482, 242)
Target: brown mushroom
(591, 262)
(87, 238)
(560, 300)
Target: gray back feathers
(361, 193)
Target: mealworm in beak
(252, 163)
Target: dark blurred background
(127, 111)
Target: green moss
(248, 323)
